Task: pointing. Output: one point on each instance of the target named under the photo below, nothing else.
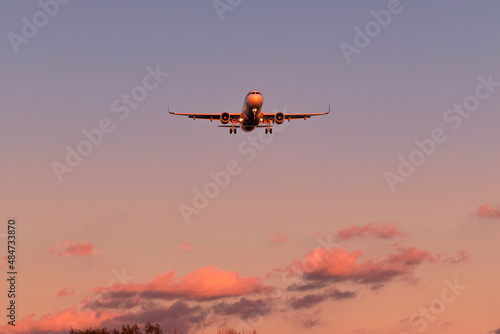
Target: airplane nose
(256, 100)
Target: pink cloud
(140, 302)
(178, 315)
(338, 264)
(486, 211)
(69, 248)
(186, 246)
(65, 292)
(461, 257)
(384, 230)
(60, 322)
(277, 239)
(204, 283)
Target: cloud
(377, 287)
(186, 246)
(178, 316)
(463, 256)
(245, 308)
(383, 230)
(311, 300)
(337, 265)
(202, 284)
(69, 248)
(277, 239)
(61, 322)
(486, 211)
(123, 301)
(307, 286)
(138, 303)
(65, 292)
(194, 300)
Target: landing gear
(269, 129)
(232, 130)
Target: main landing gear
(269, 129)
(232, 129)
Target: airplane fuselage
(251, 115)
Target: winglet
(328, 109)
(168, 108)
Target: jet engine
(279, 118)
(224, 118)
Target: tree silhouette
(148, 329)
(126, 329)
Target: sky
(381, 217)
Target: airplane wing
(282, 116)
(211, 117)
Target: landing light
(241, 119)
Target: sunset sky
(382, 217)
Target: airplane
(251, 117)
